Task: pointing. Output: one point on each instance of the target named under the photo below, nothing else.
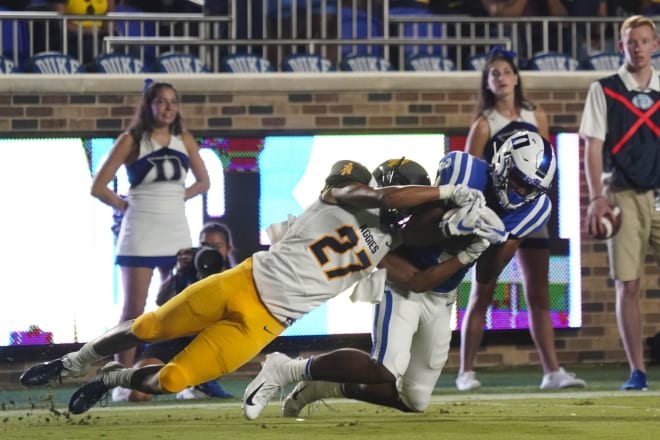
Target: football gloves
(464, 195)
(473, 251)
(462, 221)
(490, 227)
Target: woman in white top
(502, 110)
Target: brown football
(611, 224)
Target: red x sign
(644, 118)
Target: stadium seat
(119, 63)
(431, 31)
(429, 63)
(135, 28)
(246, 63)
(553, 61)
(175, 62)
(365, 63)
(603, 61)
(307, 63)
(15, 42)
(355, 25)
(6, 65)
(53, 63)
(477, 62)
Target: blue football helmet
(522, 169)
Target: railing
(329, 28)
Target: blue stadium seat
(429, 63)
(15, 40)
(6, 65)
(553, 61)
(119, 63)
(135, 28)
(477, 62)
(246, 63)
(431, 31)
(365, 63)
(175, 62)
(53, 63)
(604, 61)
(307, 63)
(355, 25)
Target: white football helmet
(522, 169)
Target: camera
(199, 262)
(207, 261)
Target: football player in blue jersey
(411, 330)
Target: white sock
(118, 378)
(295, 370)
(81, 359)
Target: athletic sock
(81, 359)
(118, 378)
(295, 370)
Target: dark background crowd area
(575, 8)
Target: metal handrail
(514, 33)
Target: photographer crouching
(214, 255)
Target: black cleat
(93, 391)
(42, 374)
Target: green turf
(509, 406)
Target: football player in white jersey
(336, 241)
(411, 331)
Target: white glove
(490, 227)
(464, 195)
(473, 251)
(462, 221)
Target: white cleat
(263, 387)
(561, 379)
(307, 392)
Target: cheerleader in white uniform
(157, 154)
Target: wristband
(445, 191)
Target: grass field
(509, 406)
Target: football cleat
(206, 390)
(93, 391)
(46, 372)
(268, 382)
(307, 392)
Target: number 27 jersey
(326, 250)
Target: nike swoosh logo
(498, 231)
(462, 227)
(388, 244)
(295, 395)
(250, 400)
(268, 331)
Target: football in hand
(610, 223)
